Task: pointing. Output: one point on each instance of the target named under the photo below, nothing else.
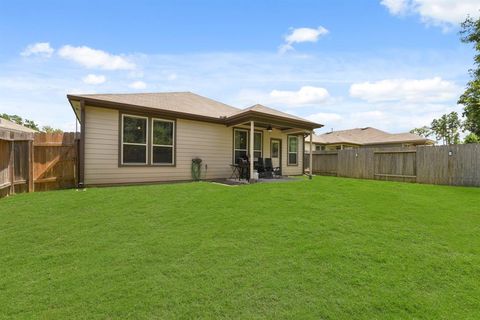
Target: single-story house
(364, 138)
(153, 137)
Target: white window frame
(290, 152)
(163, 145)
(234, 149)
(261, 144)
(248, 142)
(136, 144)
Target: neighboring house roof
(12, 126)
(366, 136)
(190, 104)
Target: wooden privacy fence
(15, 166)
(47, 161)
(449, 165)
(55, 161)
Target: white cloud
(307, 95)
(138, 85)
(299, 35)
(172, 76)
(39, 48)
(443, 13)
(396, 7)
(94, 79)
(92, 58)
(384, 120)
(324, 117)
(242, 79)
(409, 90)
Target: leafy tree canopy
(422, 131)
(470, 99)
(472, 138)
(446, 129)
(28, 123)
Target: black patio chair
(244, 169)
(260, 167)
(272, 171)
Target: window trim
(235, 149)
(162, 145)
(148, 115)
(130, 143)
(288, 151)
(261, 143)
(248, 142)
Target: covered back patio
(257, 126)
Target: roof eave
(400, 141)
(137, 108)
(231, 120)
(252, 114)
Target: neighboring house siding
(307, 146)
(210, 142)
(385, 145)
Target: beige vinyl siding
(213, 143)
(210, 142)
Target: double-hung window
(163, 141)
(241, 144)
(240, 147)
(292, 150)
(134, 139)
(257, 145)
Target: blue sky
(392, 64)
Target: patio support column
(251, 157)
(310, 169)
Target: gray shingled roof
(184, 102)
(12, 126)
(270, 111)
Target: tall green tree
(28, 123)
(422, 131)
(31, 124)
(470, 99)
(12, 117)
(49, 129)
(447, 128)
(19, 120)
(471, 138)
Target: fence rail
(48, 162)
(15, 168)
(447, 165)
(55, 156)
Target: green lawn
(330, 248)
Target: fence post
(31, 185)
(310, 158)
(12, 167)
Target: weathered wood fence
(46, 161)
(16, 150)
(55, 158)
(448, 165)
